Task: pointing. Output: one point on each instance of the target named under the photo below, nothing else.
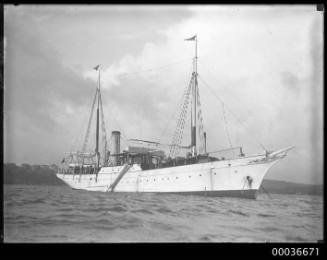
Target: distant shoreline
(46, 175)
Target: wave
(61, 214)
(142, 211)
(237, 212)
(117, 208)
(265, 215)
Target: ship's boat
(145, 166)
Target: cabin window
(162, 179)
(200, 174)
(215, 173)
(154, 179)
(189, 176)
(176, 177)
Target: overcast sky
(264, 62)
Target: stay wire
(155, 68)
(226, 127)
(123, 135)
(220, 100)
(235, 97)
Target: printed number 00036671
(295, 251)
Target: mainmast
(97, 122)
(190, 93)
(194, 96)
(195, 91)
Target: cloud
(35, 82)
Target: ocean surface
(60, 214)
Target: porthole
(200, 174)
(215, 173)
(176, 177)
(162, 179)
(189, 176)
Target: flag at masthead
(191, 39)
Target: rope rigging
(104, 133)
(177, 137)
(89, 123)
(200, 120)
(226, 126)
(175, 109)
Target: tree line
(30, 174)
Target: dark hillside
(30, 174)
(283, 187)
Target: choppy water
(60, 214)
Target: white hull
(218, 178)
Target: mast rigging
(97, 123)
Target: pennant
(96, 67)
(191, 39)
